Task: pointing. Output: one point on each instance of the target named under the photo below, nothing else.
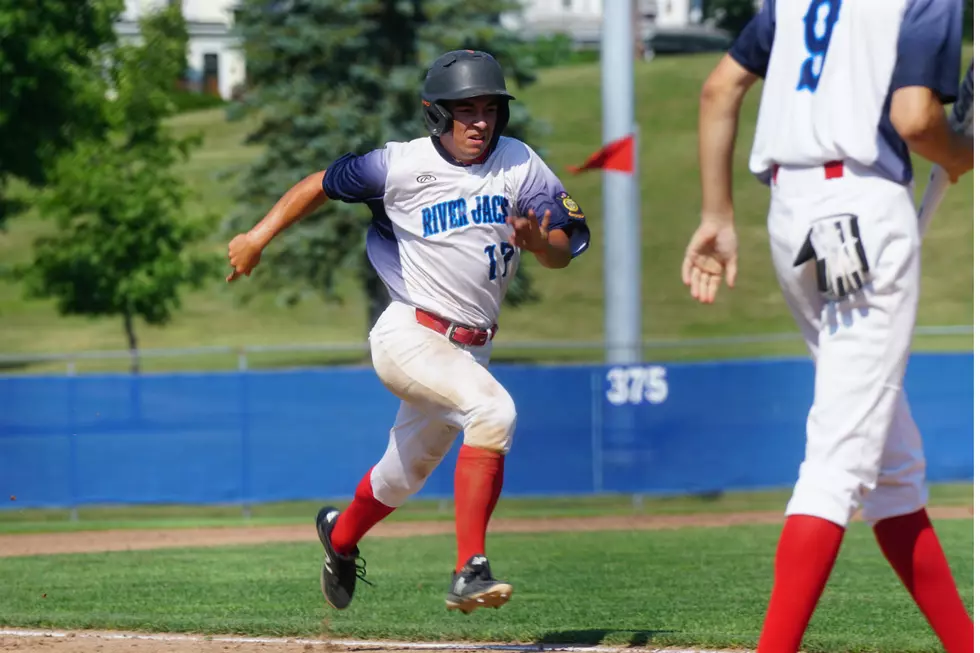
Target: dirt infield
(113, 642)
(90, 642)
(107, 642)
(143, 539)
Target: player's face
(473, 124)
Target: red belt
(458, 333)
(831, 170)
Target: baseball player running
(451, 215)
(850, 87)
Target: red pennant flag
(617, 155)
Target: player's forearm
(557, 253)
(554, 257)
(940, 144)
(298, 202)
(717, 131)
(921, 121)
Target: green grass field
(568, 98)
(14, 520)
(690, 587)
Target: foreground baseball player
(452, 214)
(850, 87)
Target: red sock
(805, 557)
(479, 479)
(911, 546)
(358, 518)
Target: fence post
(72, 443)
(597, 410)
(243, 417)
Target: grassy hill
(572, 306)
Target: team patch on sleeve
(570, 205)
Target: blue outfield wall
(267, 436)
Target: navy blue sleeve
(754, 43)
(543, 191)
(353, 178)
(930, 44)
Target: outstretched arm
(245, 250)
(299, 201)
(348, 179)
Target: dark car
(689, 40)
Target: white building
(582, 19)
(215, 63)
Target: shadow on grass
(596, 636)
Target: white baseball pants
(863, 447)
(445, 388)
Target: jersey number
(818, 25)
(506, 254)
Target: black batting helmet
(459, 75)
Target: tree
(123, 246)
(331, 76)
(968, 20)
(729, 15)
(51, 87)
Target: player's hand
(528, 234)
(244, 253)
(711, 255)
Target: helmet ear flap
(438, 120)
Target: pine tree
(331, 76)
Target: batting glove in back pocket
(841, 263)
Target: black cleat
(339, 573)
(475, 587)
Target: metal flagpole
(620, 191)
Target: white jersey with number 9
(831, 67)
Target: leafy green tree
(123, 244)
(331, 76)
(51, 86)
